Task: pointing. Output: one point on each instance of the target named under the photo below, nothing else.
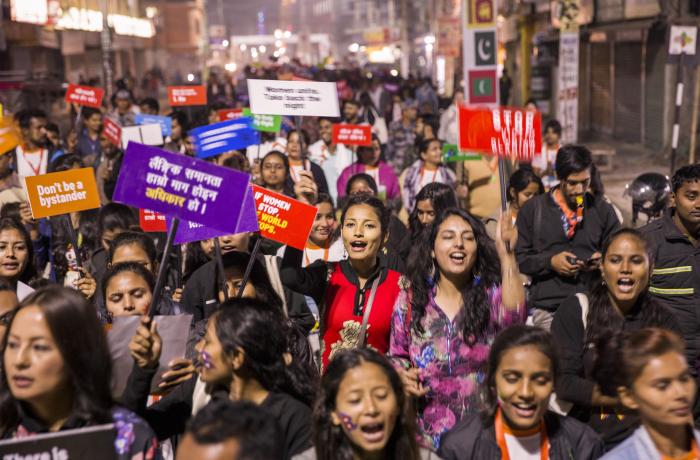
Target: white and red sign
(84, 95)
(229, 114)
(151, 221)
(352, 134)
(187, 95)
(112, 131)
(506, 131)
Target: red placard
(229, 114)
(283, 219)
(84, 95)
(187, 95)
(112, 131)
(352, 134)
(505, 131)
(151, 221)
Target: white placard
(296, 98)
(143, 134)
(567, 107)
(682, 40)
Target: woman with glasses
(369, 161)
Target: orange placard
(62, 192)
(283, 219)
(187, 95)
(9, 136)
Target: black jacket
(569, 439)
(675, 280)
(548, 288)
(576, 364)
(200, 298)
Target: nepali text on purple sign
(188, 232)
(225, 136)
(180, 186)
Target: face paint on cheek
(205, 360)
(347, 422)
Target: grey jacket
(639, 446)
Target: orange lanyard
(694, 453)
(291, 170)
(310, 245)
(501, 438)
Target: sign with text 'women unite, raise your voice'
(183, 187)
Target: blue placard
(166, 123)
(225, 136)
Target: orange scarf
(502, 429)
(570, 218)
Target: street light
(243, 47)
(190, 77)
(287, 33)
(354, 48)
(225, 43)
(262, 48)
(429, 39)
(231, 67)
(278, 34)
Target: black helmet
(650, 193)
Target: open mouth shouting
(358, 246)
(626, 285)
(373, 432)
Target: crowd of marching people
(420, 321)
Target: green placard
(269, 123)
(451, 153)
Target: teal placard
(451, 153)
(268, 123)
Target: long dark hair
(329, 439)
(85, 356)
(441, 196)
(261, 331)
(29, 272)
(519, 181)
(486, 274)
(515, 336)
(603, 316)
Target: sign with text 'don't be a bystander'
(62, 192)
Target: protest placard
(166, 123)
(180, 186)
(146, 134)
(84, 95)
(505, 131)
(192, 231)
(9, 135)
(88, 442)
(298, 98)
(62, 192)
(224, 136)
(267, 123)
(451, 153)
(187, 95)
(229, 114)
(112, 131)
(151, 221)
(173, 331)
(352, 134)
(283, 219)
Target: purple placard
(191, 231)
(179, 186)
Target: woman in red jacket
(357, 294)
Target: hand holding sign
(146, 344)
(305, 188)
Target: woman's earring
(477, 279)
(431, 274)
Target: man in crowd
(149, 106)
(332, 158)
(561, 233)
(351, 112)
(32, 155)
(89, 139)
(402, 137)
(675, 242)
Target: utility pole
(106, 43)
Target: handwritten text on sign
(84, 95)
(187, 95)
(180, 186)
(505, 132)
(62, 192)
(352, 134)
(283, 219)
(301, 98)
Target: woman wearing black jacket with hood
(516, 424)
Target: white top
(32, 163)
(523, 448)
(279, 144)
(336, 253)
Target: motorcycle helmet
(650, 193)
